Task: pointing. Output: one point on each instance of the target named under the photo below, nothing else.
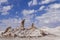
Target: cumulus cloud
(51, 18)
(27, 12)
(3, 1)
(28, 15)
(13, 22)
(5, 9)
(46, 1)
(55, 6)
(41, 8)
(28, 20)
(35, 2)
(32, 3)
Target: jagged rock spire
(32, 27)
(7, 32)
(22, 24)
(7, 29)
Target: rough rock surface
(32, 33)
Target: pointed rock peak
(32, 27)
(22, 24)
(7, 29)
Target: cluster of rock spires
(23, 32)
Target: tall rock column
(33, 27)
(22, 25)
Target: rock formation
(23, 32)
(22, 25)
(7, 32)
(32, 27)
(43, 33)
(20, 31)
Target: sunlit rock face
(21, 31)
(31, 33)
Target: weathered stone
(32, 27)
(22, 25)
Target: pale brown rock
(22, 25)
(7, 30)
(43, 33)
(32, 27)
(8, 33)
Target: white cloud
(13, 22)
(28, 15)
(6, 13)
(29, 4)
(32, 3)
(28, 20)
(5, 9)
(35, 2)
(55, 6)
(3, 1)
(46, 1)
(51, 18)
(41, 8)
(27, 12)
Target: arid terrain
(32, 33)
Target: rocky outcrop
(7, 32)
(22, 25)
(23, 32)
(32, 27)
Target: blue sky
(40, 12)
